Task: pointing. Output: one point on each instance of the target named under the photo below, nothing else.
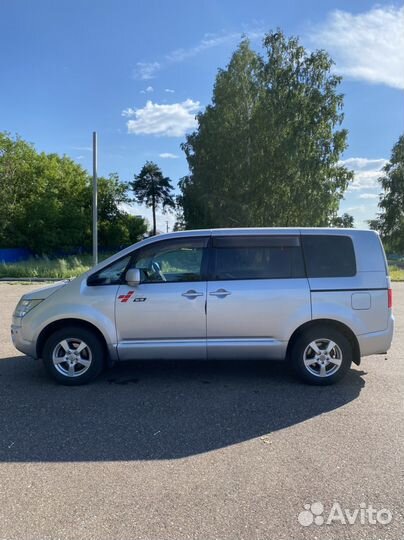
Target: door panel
(165, 315)
(257, 318)
(257, 297)
(156, 316)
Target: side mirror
(132, 277)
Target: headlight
(24, 306)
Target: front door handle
(221, 293)
(192, 294)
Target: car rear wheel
(321, 355)
(73, 355)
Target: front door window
(172, 261)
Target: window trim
(262, 240)
(208, 259)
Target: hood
(44, 292)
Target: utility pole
(154, 206)
(95, 201)
(166, 226)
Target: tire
(321, 355)
(73, 355)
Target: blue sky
(137, 72)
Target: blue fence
(14, 254)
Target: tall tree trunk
(154, 220)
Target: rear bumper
(23, 345)
(377, 342)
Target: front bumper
(377, 342)
(23, 345)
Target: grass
(44, 267)
(73, 266)
(396, 273)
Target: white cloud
(83, 148)
(367, 171)
(361, 198)
(367, 46)
(169, 91)
(147, 90)
(146, 70)
(168, 155)
(364, 163)
(208, 41)
(360, 209)
(160, 119)
(128, 112)
(364, 180)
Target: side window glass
(329, 256)
(111, 275)
(172, 260)
(257, 258)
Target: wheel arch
(61, 323)
(343, 328)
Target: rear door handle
(192, 294)
(220, 293)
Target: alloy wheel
(72, 357)
(322, 357)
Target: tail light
(390, 298)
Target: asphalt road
(199, 450)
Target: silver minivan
(317, 298)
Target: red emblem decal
(125, 297)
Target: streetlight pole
(95, 201)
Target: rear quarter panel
(336, 298)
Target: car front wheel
(73, 355)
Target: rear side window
(329, 256)
(256, 257)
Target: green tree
(117, 227)
(43, 199)
(390, 221)
(53, 218)
(180, 224)
(47, 203)
(346, 220)
(153, 189)
(113, 195)
(267, 150)
(17, 179)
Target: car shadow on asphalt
(154, 410)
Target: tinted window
(257, 257)
(111, 275)
(329, 256)
(172, 260)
